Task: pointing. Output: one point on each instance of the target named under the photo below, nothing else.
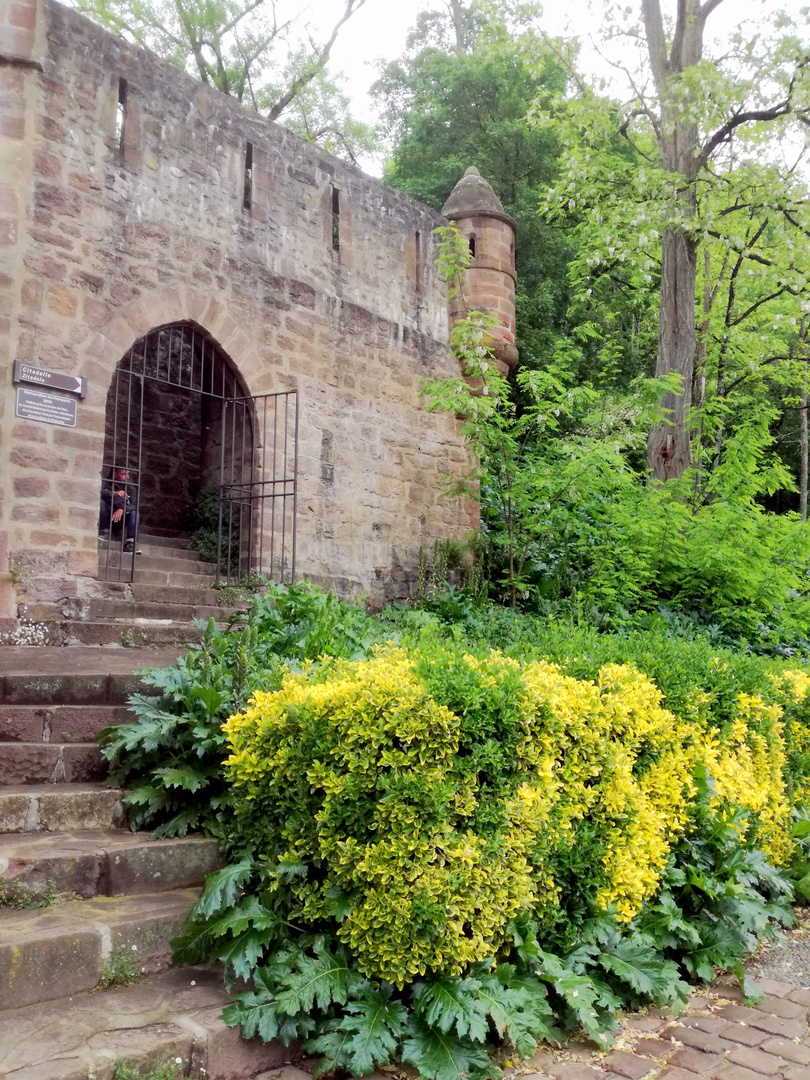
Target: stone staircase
(115, 898)
(172, 587)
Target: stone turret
(490, 284)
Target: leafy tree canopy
(258, 51)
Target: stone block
(798, 1053)
(781, 1006)
(43, 958)
(755, 1060)
(67, 810)
(742, 1033)
(695, 1061)
(157, 865)
(229, 1056)
(627, 1065)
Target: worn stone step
(200, 594)
(144, 609)
(150, 547)
(175, 1013)
(170, 564)
(41, 676)
(61, 950)
(166, 537)
(94, 862)
(34, 808)
(51, 763)
(129, 633)
(129, 610)
(58, 723)
(172, 579)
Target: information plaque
(46, 408)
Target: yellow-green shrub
(423, 800)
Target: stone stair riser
(115, 864)
(58, 723)
(172, 580)
(53, 808)
(175, 1013)
(133, 635)
(51, 763)
(52, 952)
(65, 689)
(129, 610)
(156, 562)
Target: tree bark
(668, 446)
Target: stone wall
(102, 239)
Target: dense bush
(426, 831)
(435, 844)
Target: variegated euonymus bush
(440, 850)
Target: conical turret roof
(471, 196)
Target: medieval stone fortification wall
(106, 235)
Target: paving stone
(580, 1050)
(731, 991)
(698, 1040)
(797, 1072)
(774, 988)
(736, 1072)
(540, 1059)
(290, 1072)
(756, 1060)
(740, 1013)
(674, 1073)
(575, 1070)
(644, 1023)
(776, 1025)
(779, 1006)
(653, 1048)
(801, 997)
(742, 1033)
(712, 1024)
(695, 1062)
(784, 1048)
(627, 1065)
(698, 1002)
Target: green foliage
(720, 897)
(120, 969)
(347, 759)
(171, 756)
(168, 1069)
(17, 897)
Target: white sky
(379, 29)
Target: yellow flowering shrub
(424, 800)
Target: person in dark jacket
(119, 509)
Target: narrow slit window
(418, 246)
(335, 219)
(472, 246)
(121, 115)
(247, 191)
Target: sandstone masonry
(132, 197)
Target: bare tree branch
(317, 65)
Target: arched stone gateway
(180, 426)
(113, 232)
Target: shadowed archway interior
(180, 422)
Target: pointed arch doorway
(179, 422)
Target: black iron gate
(173, 385)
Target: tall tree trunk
(668, 446)
(668, 449)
